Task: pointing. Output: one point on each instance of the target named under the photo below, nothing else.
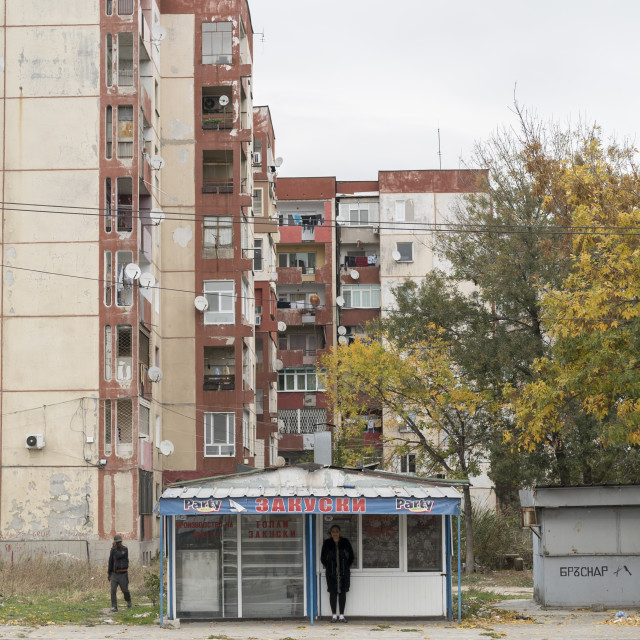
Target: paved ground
(563, 624)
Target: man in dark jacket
(337, 558)
(118, 572)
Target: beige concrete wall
(46, 12)
(177, 48)
(123, 490)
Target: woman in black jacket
(337, 558)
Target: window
(408, 463)
(109, 8)
(125, 59)
(259, 401)
(257, 254)
(400, 211)
(246, 440)
(217, 42)
(405, 249)
(424, 543)
(302, 420)
(144, 420)
(124, 428)
(108, 61)
(124, 284)
(358, 214)
(107, 427)
(244, 303)
(107, 205)
(124, 351)
(306, 261)
(361, 296)
(108, 352)
(124, 208)
(257, 202)
(219, 368)
(125, 131)
(108, 275)
(304, 379)
(217, 171)
(244, 235)
(108, 133)
(219, 434)
(218, 231)
(145, 492)
(125, 7)
(220, 295)
(305, 342)
(380, 542)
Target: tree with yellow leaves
(446, 418)
(594, 317)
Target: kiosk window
(380, 542)
(424, 543)
(348, 529)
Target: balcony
(217, 186)
(217, 122)
(219, 382)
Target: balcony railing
(125, 76)
(217, 120)
(219, 382)
(217, 185)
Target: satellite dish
(396, 255)
(278, 365)
(156, 215)
(147, 280)
(279, 162)
(156, 162)
(201, 303)
(282, 326)
(155, 374)
(132, 271)
(314, 299)
(354, 274)
(166, 447)
(223, 100)
(342, 331)
(158, 33)
(342, 340)
(280, 461)
(340, 301)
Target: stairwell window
(125, 131)
(217, 42)
(219, 435)
(220, 295)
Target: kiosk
(247, 545)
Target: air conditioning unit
(258, 320)
(34, 441)
(208, 104)
(257, 158)
(376, 230)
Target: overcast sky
(357, 86)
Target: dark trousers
(337, 598)
(121, 579)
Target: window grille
(145, 492)
(125, 7)
(107, 207)
(108, 352)
(107, 427)
(124, 359)
(108, 131)
(125, 131)
(124, 428)
(302, 420)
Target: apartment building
(128, 318)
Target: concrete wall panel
(50, 353)
(36, 293)
(66, 139)
(177, 183)
(181, 430)
(107, 503)
(123, 492)
(21, 12)
(579, 531)
(179, 312)
(61, 189)
(177, 54)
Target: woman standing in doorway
(337, 558)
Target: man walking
(118, 572)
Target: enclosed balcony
(217, 172)
(219, 369)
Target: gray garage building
(586, 547)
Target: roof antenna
(439, 152)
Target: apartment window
(257, 202)
(108, 352)
(107, 205)
(303, 379)
(408, 463)
(306, 261)
(124, 204)
(124, 284)
(108, 276)
(361, 296)
(144, 420)
(108, 133)
(259, 401)
(125, 7)
(217, 171)
(125, 59)
(358, 214)
(109, 8)
(257, 254)
(219, 369)
(217, 42)
(124, 428)
(302, 420)
(305, 342)
(218, 231)
(125, 131)
(244, 234)
(108, 60)
(245, 298)
(400, 211)
(107, 428)
(405, 249)
(219, 434)
(145, 492)
(124, 352)
(220, 295)
(246, 439)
